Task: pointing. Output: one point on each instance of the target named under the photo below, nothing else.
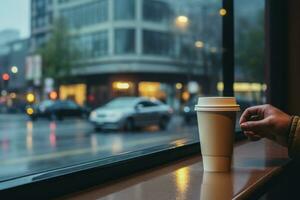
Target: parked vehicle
(56, 110)
(189, 113)
(128, 113)
(12, 109)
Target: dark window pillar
(276, 52)
(228, 48)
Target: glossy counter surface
(255, 163)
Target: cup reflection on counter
(216, 186)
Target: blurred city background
(81, 58)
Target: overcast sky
(14, 14)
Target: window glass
(124, 9)
(157, 11)
(104, 56)
(250, 85)
(122, 102)
(124, 41)
(71, 104)
(157, 43)
(146, 104)
(92, 45)
(46, 103)
(84, 15)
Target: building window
(86, 14)
(50, 18)
(156, 11)
(40, 39)
(63, 1)
(92, 45)
(100, 44)
(157, 43)
(124, 41)
(40, 7)
(124, 9)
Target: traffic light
(53, 95)
(30, 97)
(5, 77)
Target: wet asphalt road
(31, 147)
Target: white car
(128, 113)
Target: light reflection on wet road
(29, 147)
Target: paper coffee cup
(216, 122)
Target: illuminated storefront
(247, 91)
(76, 92)
(152, 90)
(100, 89)
(123, 88)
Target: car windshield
(59, 103)
(46, 104)
(192, 101)
(122, 102)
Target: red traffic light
(5, 76)
(53, 95)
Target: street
(31, 147)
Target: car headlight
(93, 114)
(29, 111)
(186, 109)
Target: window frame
(228, 48)
(55, 183)
(131, 16)
(124, 33)
(83, 176)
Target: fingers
(252, 136)
(255, 110)
(256, 127)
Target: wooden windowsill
(254, 165)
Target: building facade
(12, 64)
(127, 47)
(8, 35)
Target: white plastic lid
(217, 104)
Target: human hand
(266, 121)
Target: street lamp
(199, 44)
(222, 12)
(3, 93)
(202, 49)
(182, 22)
(14, 69)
